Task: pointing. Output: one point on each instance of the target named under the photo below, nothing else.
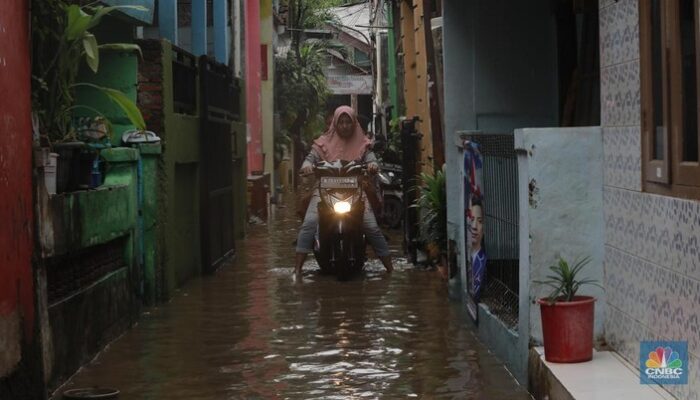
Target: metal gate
(500, 184)
(219, 108)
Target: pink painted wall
(16, 215)
(253, 85)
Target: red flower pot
(567, 328)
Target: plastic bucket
(50, 166)
(567, 329)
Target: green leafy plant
(282, 145)
(301, 91)
(61, 41)
(394, 150)
(432, 203)
(564, 280)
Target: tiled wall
(652, 260)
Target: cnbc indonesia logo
(664, 363)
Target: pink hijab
(331, 147)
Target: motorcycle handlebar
(363, 167)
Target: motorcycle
(340, 245)
(390, 183)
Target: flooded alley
(253, 331)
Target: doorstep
(606, 376)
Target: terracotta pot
(567, 329)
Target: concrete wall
(267, 92)
(240, 181)
(82, 323)
(500, 62)
(20, 372)
(118, 70)
(652, 263)
(178, 175)
(253, 86)
(182, 255)
(561, 213)
(492, 88)
(458, 19)
(150, 245)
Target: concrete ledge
(504, 342)
(607, 376)
(150, 148)
(120, 154)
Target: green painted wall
(180, 230)
(117, 70)
(240, 180)
(87, 218)
(83, 323)
(150, 158)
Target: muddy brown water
(253, 331)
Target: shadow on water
(254, 331)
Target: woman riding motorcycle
(346, 141)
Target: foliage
(300, 86)
(432, 205)
(62, 40)
(311, 13)
(282, 141)
(394, 150)
(301, 89)
(564, 281)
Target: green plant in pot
(567, 318)
(62, 42)
(432, 205)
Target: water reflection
(253, 331)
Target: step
(606, 376)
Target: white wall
(501, 74)
(561, 213)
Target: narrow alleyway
(252, 331)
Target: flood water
(252, 331)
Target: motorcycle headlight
(341, 207)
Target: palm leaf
(127, 105)
(564, 279)
(78, 22)
(92, 52)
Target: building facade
(652, 227)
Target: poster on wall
(474, 225)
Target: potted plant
(432, 205)
(567, 318)
(61, 42)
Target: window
(669, 89)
